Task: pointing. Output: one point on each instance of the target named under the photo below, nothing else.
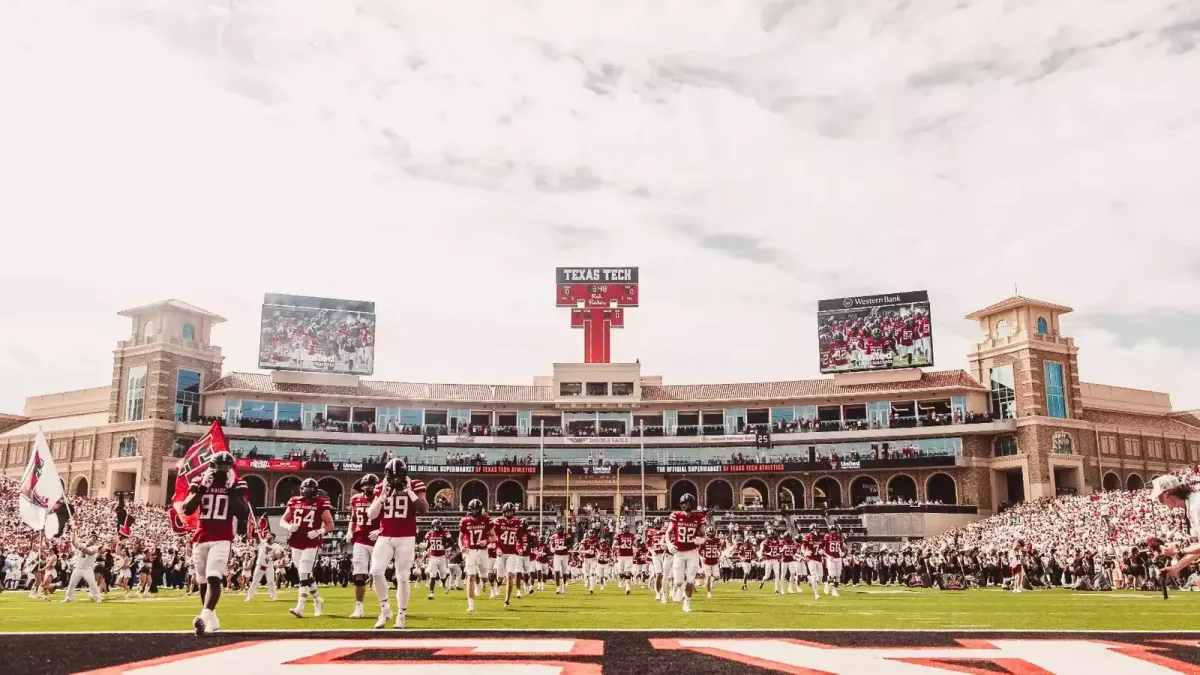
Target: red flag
(251, 534)
(264, 526)
(194, 462)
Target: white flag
(41, 489)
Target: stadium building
(1018, 424)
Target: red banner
(192, 465)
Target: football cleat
(199, 626)
(296, 612)
(318, 603)
(384, 617)
(357, 613)
(399, 621)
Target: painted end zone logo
(569, 656)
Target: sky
(750, 156)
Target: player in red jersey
(363, 532)
(588, 548)
(542, 555)
(812, 548)
(685, 534)
(641, 561)
(308, 518)
(834, 546)
(437, 541)
(604, 559)
(398, 502)
(560, 546)
(510, 532)
(659, 559)
(710, 556)
(624, 543)
(474, 534)
(770, 556)
(219, 497)
(746, 554)
(787, 561)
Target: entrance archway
(680, 488)
(511, 491)
(827, 493)
(1134, 482)
(285, 488)
(1112, 481)
(718, 494)
(863, 488)
(333, 489)
(790, 493)
(941, 488)
(901, 488)
(81, 487)
(474, 489)
(754, 491)
(256, 491)
(440, 495)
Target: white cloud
(429, 156)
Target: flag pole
(642, 453)
(541, 473)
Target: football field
(730, 608)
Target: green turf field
(887, 608)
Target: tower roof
(1018, 301)
(173, 304)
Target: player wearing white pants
(834, 568)
(85, 569)
(437, 567)
(211, 559)
(793, 571)
(771, 572)
(304, 559)
(815, 574)
(685, 567)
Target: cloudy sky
(750, 156)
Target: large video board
(875, 332)
(319, 335)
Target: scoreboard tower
(597, 297)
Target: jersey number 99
(396, 506)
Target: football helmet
(561, 529)
(221, 461)
(812, 529)
(787, 536)
(475, 507)
(396, 473)
(308, 488)
(435, 525)
(688, 503)
(509, 509)
(368, 483)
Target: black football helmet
(221, 461)
(561, 529)
(396, 473)
(308, 488)
(509, 509)
(787, 536)
(435, 525)
(688, 503)
(368, 483)
(812, 528)
(475, 507)
(710, 533)
(836, 529)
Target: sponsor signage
(598, 440)
(269, 464)
(847, 464)
(439, 468)
(721, 468)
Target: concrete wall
(66, 403)
(1124, 399)
(914, 524)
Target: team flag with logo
(41, 490)
(194, 463)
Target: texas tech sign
(642, 652)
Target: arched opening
(1042, 326)
(511, 491)
(1134, 482)
(474, 489)
(718, 494)
(754, 493)
(901, 488)
(679, 489)
(827, 493)
(862, 489)
(333, 490)
(440, 495)
(941, 488)
(1112, 481)
(81, 487)
(285, 488)
(790, 493)
(256, 491)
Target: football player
(398, 502)
(510, 531)
(835, 549)
(685, 533)
(560, 544)
(710, 554)
(219, 496)
(308, 517)
(363, 533)
(474, 533)
(787, 561)
(812, 548)
(656, 542)
(624, 543)
(437, 568)
(770, 556)
(588, 548)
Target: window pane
(1056, 404)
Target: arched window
(1043, 328)
(1002, 329)
(148, 331)
(128, 447)
(189, 332)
